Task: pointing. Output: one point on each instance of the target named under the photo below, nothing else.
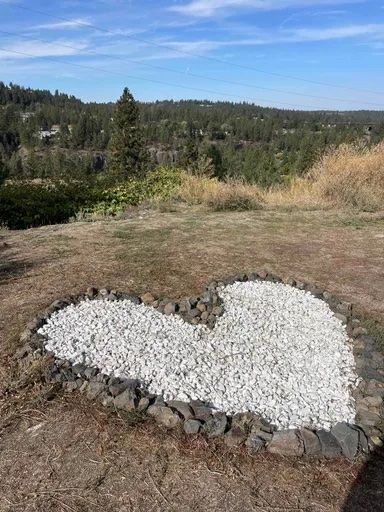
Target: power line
(205, 77)
(196, 55)
(209, 91)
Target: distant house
(48, 134)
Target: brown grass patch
(63, 453)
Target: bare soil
(62, 453)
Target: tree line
(44, 134)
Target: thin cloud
(68, 24)
(207, 8)
(35, 49)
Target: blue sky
(93, 48)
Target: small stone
(328, 296)
(202, 412)
(194, 312)
(192, 426)
(341, 317)
(143, 403)
(126, 400)
(91, 292)
(315, 291)
(286, 442)
(36, 323)
(169, 308)
(254, 444)
(147, 298)
(100, 377)
(78, 369)
(235, 437)
(106, 400)
(216, 424)
(204, 316)
(201, 306)
(289, 281)
(376, 441)
(116, 389)
(90, 372)
(84, 386)
(182, 408)
(70, 387)
(345, 308)
(312, 444)
(164, 415)
(263, 274)
(374, 401)
(358, 331)
(329, 445)
(367, 418)
(184, 306)
(243, 420)
(94, 389)
(348, 439)
(363, 441)
(218, 310)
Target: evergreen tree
(127, 154)
(3, 170)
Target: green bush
(24, 205)
(158, 184)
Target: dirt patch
(63, 454)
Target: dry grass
(62, 453)
(218, 195)
(346, 177)
(350, 176)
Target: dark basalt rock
(192, 426)
(348, 439)
(312, 444)
(286, 442)
(329, 445)
(126, 400)
(164, 416)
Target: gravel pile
(276, 350)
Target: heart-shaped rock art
(276, 350)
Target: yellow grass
(218, 195)
(350, 176)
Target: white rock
(276, 350)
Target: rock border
(243, 429)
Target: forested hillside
(44, 134)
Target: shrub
(26, 204)
(159, 184)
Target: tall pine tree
(128, 157)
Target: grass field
(60, 453)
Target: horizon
(284, 54)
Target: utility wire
(205, 77)
(196, 55)
(209, 91)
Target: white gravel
(277, 351)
